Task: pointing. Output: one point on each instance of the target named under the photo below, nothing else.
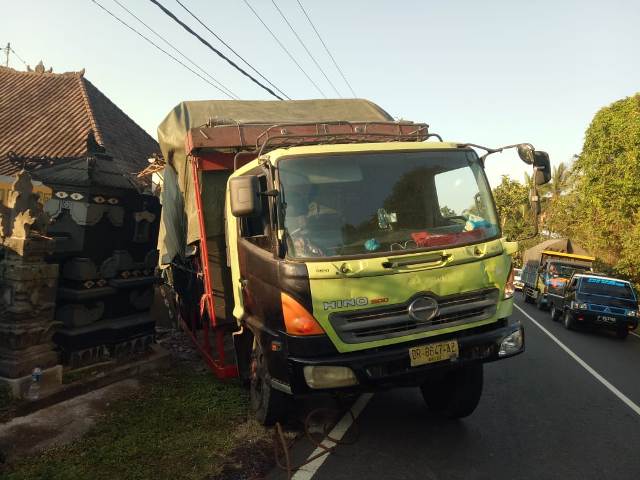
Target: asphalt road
(542, 415)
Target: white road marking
(584, 365)
(634, 334)
(309, 470)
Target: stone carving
(27, 285)
(25, 213)
(79, 315)
(79, 268)
(85, 214)
(40, 68)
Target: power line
(305, 47)
(283, 48)
(161, 49)
(229, 47)
(218, 52)
(215, 80)
(326, 48)
(14, 52)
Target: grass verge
(181, 424)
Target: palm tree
(560, 180)
(559, 184)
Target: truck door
(570, 292)
(258, 263)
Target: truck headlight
(579, 306)
(512, 343)
(632, 313)
(329, 377)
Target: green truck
(344, 251)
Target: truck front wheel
(555, 313)
(622, 332)
(540, 303)
(269, 405)
(569, 322)
(457, 394)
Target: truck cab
(545, 278)
(599, 301)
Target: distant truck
(547, 271)
(595, 300)
(343, 250)
(517, 279)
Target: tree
(607, 186)
(512, 199)
(560, 178)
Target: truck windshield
(607, 287)
(564, 270)
(366, 203)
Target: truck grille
(394, 320)
(603, 309)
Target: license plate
(605, 319)
(434, 352)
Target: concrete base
(50, 382)
(157, 359)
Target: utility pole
(7, 50)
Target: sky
(491, 72)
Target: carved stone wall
(105, 243)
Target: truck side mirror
(542, 166)
(526, 153)
(244, 193)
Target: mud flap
(243, 344)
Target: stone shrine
(27, 291)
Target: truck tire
(622, 332)
(555, 313)
(457, 394)
(541, 306)
(268, 404)
(568, 321)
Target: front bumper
(607, 321)
(389, 367)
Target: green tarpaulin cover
(179, 223)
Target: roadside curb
(158, 359)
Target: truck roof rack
(261, 138)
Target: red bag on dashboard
(426, 239)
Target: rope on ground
(282, 448)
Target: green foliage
(607, 187)
(512, 200)
(179, 426)
(600, 207)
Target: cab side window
(257, 229)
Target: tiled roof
(51, 115)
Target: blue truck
(597, 301)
